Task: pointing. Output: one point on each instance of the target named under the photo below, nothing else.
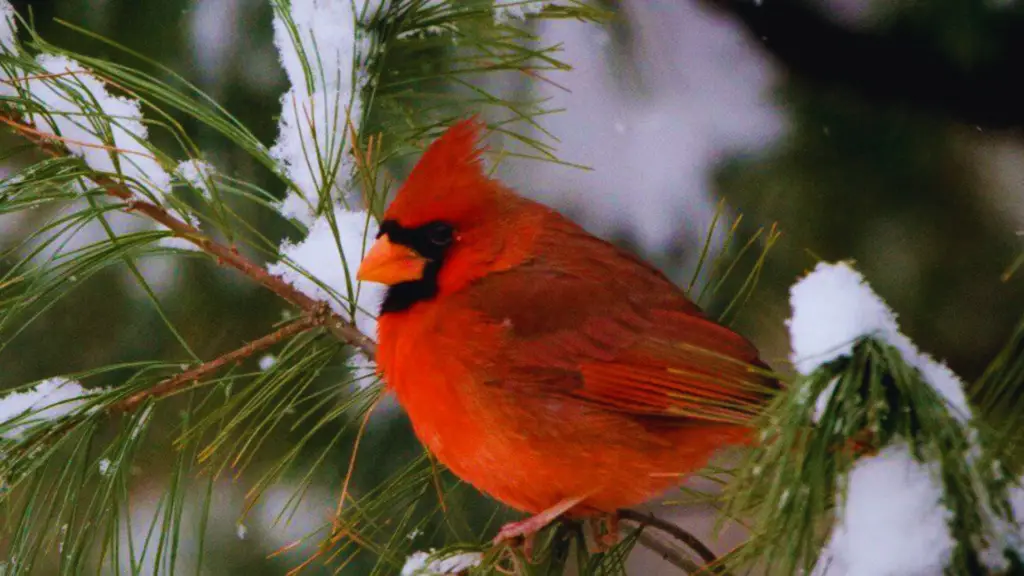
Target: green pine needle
(788, 487)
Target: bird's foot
(526, 529)
(605, 531)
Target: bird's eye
(440, 234)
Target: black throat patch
(431, 241)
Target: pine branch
(226, 256)
(668, 553)
(691, 541)
(176, 383)
(391, 86)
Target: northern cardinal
(541, 364)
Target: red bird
(544, 366)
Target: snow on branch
(198, 174)
(106, 131)
(62, 101)
(8, 45)
(65, 109)
(506, 11)
(423, 564)
(834, 308)
(907, 508)
(317, 41)
(320, 43)
(8, 27)
(323, 266)
(46, 401)
(892, 521)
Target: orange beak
(390, 263)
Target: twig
(352, 462)
(175, 383)
(668, 553)
(21, 128)
(342, 329)
(691, 541)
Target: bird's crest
(448, 183)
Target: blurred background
(883, 131)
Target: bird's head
(448, 224)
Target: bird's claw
(515, 532)
(605, 530)
(526, 529)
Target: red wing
(606, 329)
(699, 371)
